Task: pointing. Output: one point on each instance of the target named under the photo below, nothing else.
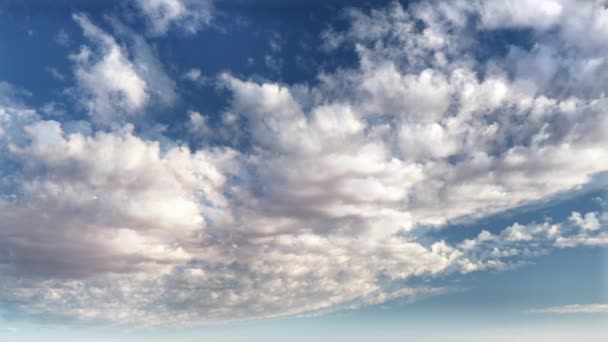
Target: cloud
(55, 73)
(198, 124)
(274, 64)
(147, 230)
(574, 309)
(109, 209)
(588, 222)
(512, 13)
(518, 242)
(112, 211)
(312, 197)
(144, 58)
(114, 82)
(62, 38)
(275, 42)
(193, 74)
(186, 15)
(455, 125)
(109, 82)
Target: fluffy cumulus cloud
(518, 243)
(186, 15)
(327, 205)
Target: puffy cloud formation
(517, 242)
(315, 197)
(588, 222)
(187, 15)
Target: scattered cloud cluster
(325, 205)
(519, 243)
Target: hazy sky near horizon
(305, 170)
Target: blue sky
(305, 170)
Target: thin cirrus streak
(575, 309)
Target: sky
(232, 170)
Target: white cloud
(519, 242)
(119, 190)
(55, 73)
(109, 81)
(148, 67)
(115, 82)
(588, 222)
(169, 231)
(187, 15)
(193, 74)
(317, 212)
(198, 124)
(458, 126)
(114, 206)
(583, 240)
(575, 309)
(541, 14)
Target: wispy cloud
(574, 309)
(186, 15)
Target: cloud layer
(327, 204)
